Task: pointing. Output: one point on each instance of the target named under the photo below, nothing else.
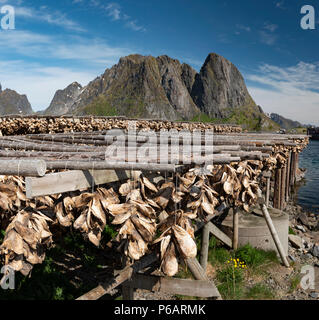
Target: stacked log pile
(150, 212)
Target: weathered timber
(220, 235)
(199, 273)
(204, 247)
(186, 287)
(267, 191)
(19, 144)
(288, 177)
(32, 168)
(273, 231)
(283, 188)
(277, 188)
(196, 269)
(60, 182)
(120, 278)
(127, 291)
(235, 228)
(115, 165)
(97, 142)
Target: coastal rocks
(292, 258)
(314, 295)
(315, 251)
(300, 228)
(296, 241)
(303, 219)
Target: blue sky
(58, 42)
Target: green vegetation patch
(260, 292)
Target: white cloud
(244, 28)
(84, 59)
(292, 91)
(271, 27)
(193, 62)
(54, 18)
(113, 11)
(267, 38)
(39, 82)
(281, 5)
(134, 26)
(93, 51)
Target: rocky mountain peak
(12, 102)
(64, 99)
(219, 88)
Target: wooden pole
(267, 191)
(293, 169)
(105, 165)
(30, 168)
(283, 188)
(127, 291)
(277, 188)
(288, 177)
(235, 228)
(274, 235)
(205, 247)
(267, 175)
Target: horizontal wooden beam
(67, 181)
(34, 168)
(186, 287)
(112, 165)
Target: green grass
(217, 254)
(255, 258)
(184, 273)
(202, 117)
(230, 281)
(259, 292)
(99, 107)
(291, 231)
(2, 235)
(231, 277)
(109, 232)
(294, 282)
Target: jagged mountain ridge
(64, 99)
(12, 102)
(163, 88)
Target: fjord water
(308, 192)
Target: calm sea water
(308, 192)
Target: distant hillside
(284, 122)
(148, 87)
(13, 103)
(64, 99)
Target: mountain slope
(284, 122)
(140, 86)
(219, 88)
(64, 99)
(163, 88)
(13, 103)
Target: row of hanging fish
(147, 212)
(36, 125)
